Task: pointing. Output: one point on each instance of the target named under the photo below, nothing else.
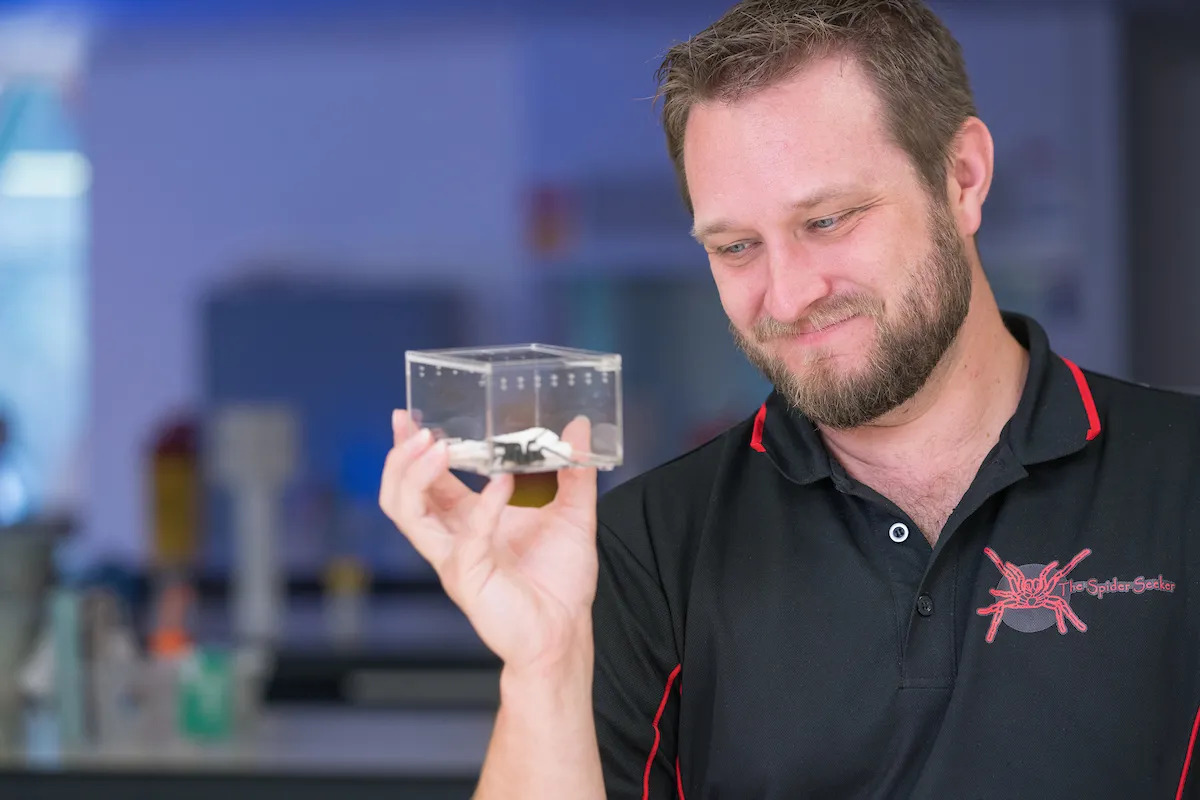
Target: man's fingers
(430, 540)
(448, 490)
(395, 468)
(578, 434)
(407, 475)
(402, 426)
(425, 468)
(492, 500)
(474, 561)
(398, 461)
(577, 485)
(444, 491)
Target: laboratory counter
(296, 753)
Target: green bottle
(206, 695)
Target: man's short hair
(914, 62)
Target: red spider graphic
(1036, 592)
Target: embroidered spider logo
(1029, 593)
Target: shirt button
(924, 605)
(898, 532)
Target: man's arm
(602, 726)
(525, 578)
(544, 742)
(535, 584)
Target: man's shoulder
(1130, 406)
(1147, 429)
(677, 490)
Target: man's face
(844, 282)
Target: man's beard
(908, 345)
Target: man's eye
(735, 249)
(834, 222)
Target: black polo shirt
(767, 627)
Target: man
(939, 562)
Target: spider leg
(991, 634)
(1084, 553)
(1047, 570)
(1058, 619)
(1007, 569)
(1061, 607)
(990, 553)
(1016, 579)
(1010, 570)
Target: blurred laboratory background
(223, 224)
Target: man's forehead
(803, 142)
(805, 116)
(820, 92)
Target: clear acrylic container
(503, 409)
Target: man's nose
(794, 281)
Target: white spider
(539, 447)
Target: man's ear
(970, 174)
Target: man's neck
(954, 421)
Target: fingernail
(395, 418)
(425, 435)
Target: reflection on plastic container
(503, 409)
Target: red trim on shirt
(1089, 402)
(1187, 762)
(661, 707)
(678, 779)
(756, 437)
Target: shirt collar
(1055, 417)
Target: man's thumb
(577, 485)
